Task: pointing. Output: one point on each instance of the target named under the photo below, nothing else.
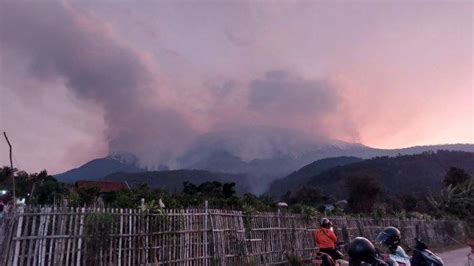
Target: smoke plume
(61, 42)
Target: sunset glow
(79, 80)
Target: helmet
(325, 223)
(390, 237)
(361, 249)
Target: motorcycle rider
(361, 250)
(390, 237)
(327, 240)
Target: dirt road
(457, 257)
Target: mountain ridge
(302, 175)
(98, 168)
(400, 175)
(277, 153)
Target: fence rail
(62, 236)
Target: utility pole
(11, 168)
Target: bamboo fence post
(9, 231)
(206, 215)
(120, 238)
(52, 240)
(111, 244)
(172, 237)
(36, 257)
(221, 240)
(44, 235)
(101, 248)
(130, 212)
(134, 236)
(18, 235)
(31, 243)
(147, 238)
(60, 242)
(74, 234)
(79, 241)
(69, 229)
(26, 231)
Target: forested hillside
(303, 175)
(401, 175)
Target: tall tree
(228, 190)
(5, 174)
(363, 193)
(456, 176)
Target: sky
(81, 79)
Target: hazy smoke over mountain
(282, 94)
(80, 79)
(62, 43)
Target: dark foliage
(456, 176)
(209, 190)
(410, 174)
(456, 201)
(172, 181)
(38, 188)
(404, 181)
(307, 195)
(363, 193)
(228, 190)
(303, 175)
(87, 196)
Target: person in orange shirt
(327, 240)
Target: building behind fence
(107, 236)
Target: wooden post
(206, 252)
(282, 247)
(44, 233)
(53, 228)
(130, 215)
(31, 244)
(11, 169)
(18, 235)
(120, 238)
(81, 230)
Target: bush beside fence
(107, 236)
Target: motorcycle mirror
(420, 244)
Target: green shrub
(309, 213)
(98, 227)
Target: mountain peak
(123, 157)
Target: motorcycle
(422, 256)
(397, 258)
(324, 259)
(363, 252)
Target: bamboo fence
(59, 236)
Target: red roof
(104, 186)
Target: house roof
(104, 186)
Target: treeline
(42, 188)
(419, 174)
(365, 196)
